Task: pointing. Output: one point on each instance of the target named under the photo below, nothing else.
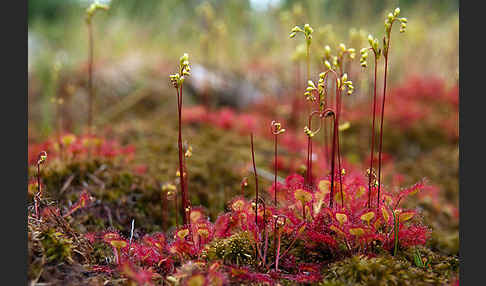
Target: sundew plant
(334, 224)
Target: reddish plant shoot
(177, 81)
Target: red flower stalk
(90, 78)
(177, 80)
(341, 83)
(276, 129)
(371, 172)
(386, 48)
(38, 195)
(256, 193)
(279, 224)
(308, 131)
(256, 180)
(90, 11)
(329, 112)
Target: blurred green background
(137, 42)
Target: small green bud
(327, 52)
(184, 58)
(345, 77)
(335, 61)
(296, 29)
(403, 27)
(342, 47)
(311, 84)
(403, 20)
(396, 12)
(308, 29)
(370, 39)
(308, 132)
(292, 35)
(327, 64)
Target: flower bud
(370, 39)
(396, 12)
(328, 65)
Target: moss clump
(235, 249)
(384, 270)
(57, 247)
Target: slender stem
(308, 61)
(291, 244)
(266, 236)
(372, 136)
(382, 116)
(275, 196)
(333, 152)
(303, 211)
(338, 108)
(181, 164)
(278, 252)
(39, 190)
(340, 170)
(176, 211)
(396, 229)
(326, 149)
(275, 177)
(256, 183)
(90, 79)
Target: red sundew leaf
(294, 182)
(182, 247)
(321, 238)
(147, 255)
(303, 196)
(413, 235)
(119, 243)
(341, 218)
(156, 240)
(84, 200)
(181, 233)
(404, 216)
(198, 214)
(223, 226)
(238, 204)
(110, 235)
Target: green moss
(386, 270)
(235, 249)
(57, 247)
